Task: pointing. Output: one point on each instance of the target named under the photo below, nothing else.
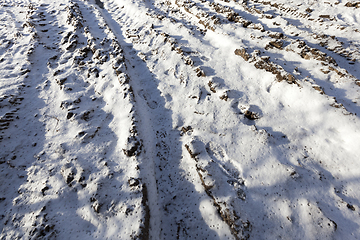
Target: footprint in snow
(147, 97)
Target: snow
(179, 119)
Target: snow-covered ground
(178, 119)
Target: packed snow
(178, 119)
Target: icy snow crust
(177, 119)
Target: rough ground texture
(177, 119)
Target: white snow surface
(179, 119)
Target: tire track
(174, 183)
(19, 135)
(78, 93)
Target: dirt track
(177, 120)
